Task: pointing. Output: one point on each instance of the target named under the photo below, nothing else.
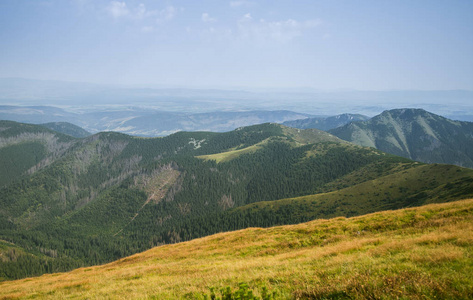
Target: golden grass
(418, 253)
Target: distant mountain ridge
(415, 134)
(456, 104)
(145, 121)
(326, 123)
(67, 128)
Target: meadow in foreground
(417, 253)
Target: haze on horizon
(364, 45)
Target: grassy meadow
(231, 154)
(417, 253)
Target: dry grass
(419, 253)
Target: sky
(326, 44)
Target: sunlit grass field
(417, 253)
(234, 153)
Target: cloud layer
(281, 31)
(118, 10)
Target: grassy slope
(409, 186)
(233, 153)
(296, 137)
(423, 252)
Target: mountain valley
(236, 150)
(75, 202)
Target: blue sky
(366, 45)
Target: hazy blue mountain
(36, 114)
(161, 123)
(456, 104)
(325, 123)
(145, 121)
(415, 134)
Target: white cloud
(246, 18)
(167, 13)
(241, 3)
(141, 12)
(281, 31)
(207, 19)
(118, 9)
(260, 32)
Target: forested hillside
(415, 134)
(67, 128)
(99, 198)
(26, 148)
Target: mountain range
(415, 134)
(144, 121)
(68, 202)
(325, 123)
(151, 122)
(454, 104)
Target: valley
(240, 149)
(77, 202)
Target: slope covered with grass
(416, 253)
(409, 186)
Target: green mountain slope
(407, 185)
(419, 185)
(111, 195)
(26, 148)
(67, 128)
(415, 134)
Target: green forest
(72, 202)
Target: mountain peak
(416, 134)
(326, 123)
(406, 113)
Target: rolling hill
(415, 253)
(97, 199)
(415, 134)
